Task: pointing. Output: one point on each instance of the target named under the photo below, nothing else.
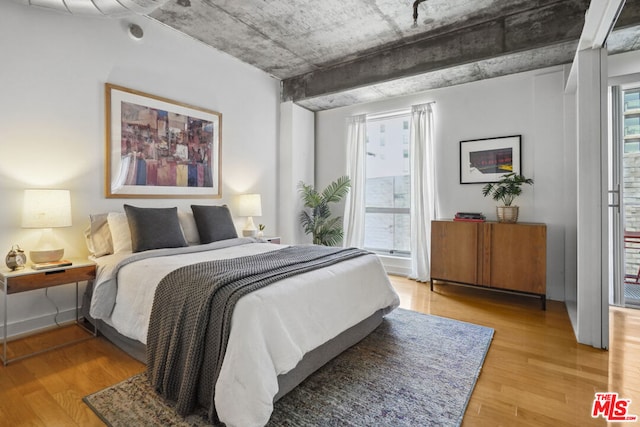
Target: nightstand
(272, 239)
(27, 279)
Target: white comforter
(271, 328)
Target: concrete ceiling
(333, 53)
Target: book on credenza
(469, 217)
(51, 264)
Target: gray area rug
(413, 370)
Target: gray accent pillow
(154, 228)
(214, 223)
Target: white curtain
(353, 222)
(422, 190)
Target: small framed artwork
(159, 148)
(486, 160)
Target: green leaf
(336, 190)
(507, 188)
(317, 219)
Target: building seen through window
(631, 128)
(387, 200)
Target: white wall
(530, 104)
(571, 204)
(296, 161)
(52, 121)
(592, 224)
(624, 68)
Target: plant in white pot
(506, 190)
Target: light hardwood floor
(534, 374)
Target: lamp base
(51, 255)
(250, 229)
(249, 233)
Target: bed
(279, 334)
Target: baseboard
(24, 327)
(395, 271)
(398, 266)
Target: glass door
(624, 195)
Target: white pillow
(88, 241)
(120, 232)
(189, 228)
(100, 235)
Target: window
(631, 100)
(387, 195)
(631, 126)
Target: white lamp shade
(46, 209)
(249, 205)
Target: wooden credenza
(510, 257)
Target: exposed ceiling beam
(505, 37)
(547, 56)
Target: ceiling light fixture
(415, 11)
(97, 7)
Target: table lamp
(46, 209)
(249, 205)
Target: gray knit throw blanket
(191, 317)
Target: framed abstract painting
(486, 160)
(160, 148)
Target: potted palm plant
(506, 190)
(317, 219)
